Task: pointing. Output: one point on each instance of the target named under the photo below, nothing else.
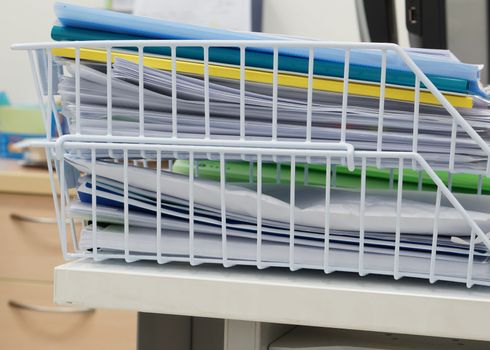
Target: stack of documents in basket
(417, 220)
(363, 113)
(458, 81)
(383, 231)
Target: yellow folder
(393, 92)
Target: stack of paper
(241, 224)
(458, 81)
(363, 113)
(383, 230)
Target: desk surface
(15, 178)
(279, 296)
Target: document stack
(201, 145)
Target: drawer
(22, 328)
(29, 247)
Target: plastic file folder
(239, 171)
(265, 76)
(446, 74)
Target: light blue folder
(365, 64)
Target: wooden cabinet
(29, 251)
(29, 320)
(30, 246)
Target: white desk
(279, 296)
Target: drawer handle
(34, 219)
(50, 309)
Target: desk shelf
(310, 298)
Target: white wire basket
(294, 246)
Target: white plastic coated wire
(258, 151)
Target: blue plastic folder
(447, 75)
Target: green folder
(239, 171)
(461, 182)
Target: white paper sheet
(243, 251)
(379, 215)
(363, 113)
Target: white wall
(25, 21)
(333, 20)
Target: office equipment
(426, 23)
(447, 24)
(93, 171)
(380, 20)
(126, 119)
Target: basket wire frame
(159, 148)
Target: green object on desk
(16, 124)
(239, 171)
(21, 119)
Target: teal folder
(264, 60)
